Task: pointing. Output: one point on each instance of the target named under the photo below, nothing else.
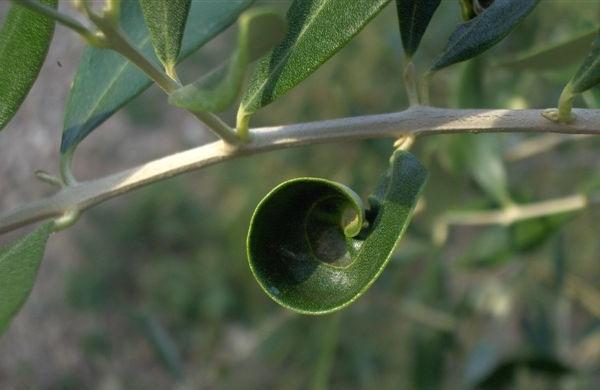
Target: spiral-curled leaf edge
(376, 200)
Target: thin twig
(507, 216)
(537, 145)
(416, 121)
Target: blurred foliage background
(164, 286)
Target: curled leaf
(314, 249)
(260, 29)
(24, 41)
(19, 263)
(483, 31)
(166, 22)
(414, 17)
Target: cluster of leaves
(106, 81)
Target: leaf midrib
(111, 83)
(20, 244)
(475, 23)
(291, 48)
(594, 64)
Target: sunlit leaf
(24, 41)
(317, 30)
(19, 263)
(260, 29)
(483, 31)
(105, 81)
(314, 249)
(166, 22)
(414, 17)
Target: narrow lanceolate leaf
(19, 263)
(105, 81)
(314, 249)
(484, 31)
(166, 22)
(588, 74)
(553, 56)
(24, 41)
(317, 30)
(414, 17)
(260, 29)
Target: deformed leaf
(588, 74)
(19, 263)
(24, 41)
(483, 31)
(314, 249)
(105, 81)
(166, 22)
(317, 30)
(414, 17)
(260, 29)
(553, 56)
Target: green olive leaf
(19, 263)
(166, 22)
(314, 249)
(317, 30)
(588, 74)
(483, 31)
(414, 17)
(105, 81)
(553, 56)
(259, 30)
(24, 41)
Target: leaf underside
(105, 81)
(414, 17)
(483, 31)
(24, 41)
